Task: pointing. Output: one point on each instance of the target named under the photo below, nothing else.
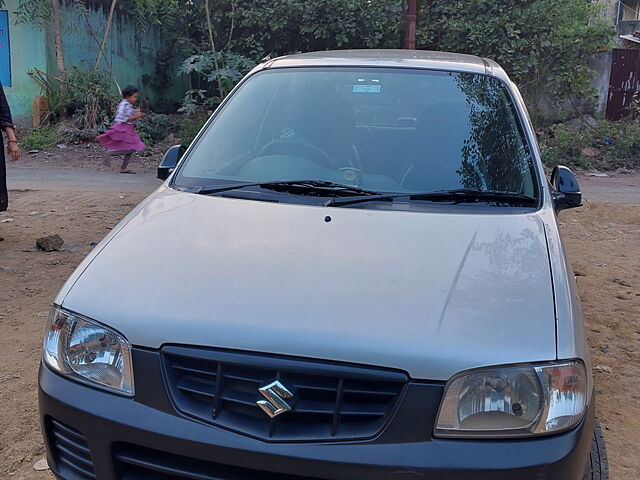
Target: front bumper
(144, 438)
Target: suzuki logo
(275, 394)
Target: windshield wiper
(299, 186)
(462, 195)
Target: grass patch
(41, 138)
(608, 145)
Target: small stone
(621, 282)
(602, 369)
(33, 152)
(41, 465)
(591, 152)
(32, 214)
(597, 173)
(7, 220)
(604, 348)
(61, 146)
(50, 243)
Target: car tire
(598, 463)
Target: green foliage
(220, 68)
(617, 145)
(188, 128)
(34, 12)
(39, 13)
(41, 138)
(279, 27)
(89, 98)
(542, 44)
(84, 95)
(154, 127)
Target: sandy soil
(603, 241)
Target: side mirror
(566, 191)
(170, 161)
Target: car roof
(422, 59)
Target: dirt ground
(92, 156)
(603, 241)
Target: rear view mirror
(170, 161)
(566, 191)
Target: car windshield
(382, 130)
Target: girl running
(122, 138)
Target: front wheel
(597, 464)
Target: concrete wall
(130, 54)
(601, 64)
(27, 52)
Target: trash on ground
(41, 465)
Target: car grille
(71, 452)
(330, 402)
(136, 463)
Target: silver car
(354, 272)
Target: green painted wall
(27, 52)
(131, 55)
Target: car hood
(429, 293)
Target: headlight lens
(514, 401)
(88, 351)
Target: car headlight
(87, 351)
(513, 401)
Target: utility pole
(410, 25)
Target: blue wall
(27, 52)
(5, 50)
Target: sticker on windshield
(372, 86)
(367, 88)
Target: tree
(55, 9)
(107, 30)
(40, 13)
(542, 44)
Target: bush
(189, 128)
(41, 138)
(611, 145)
(154, 127)
(86, 97)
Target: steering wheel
(297, 145)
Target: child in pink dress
(122, 138)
